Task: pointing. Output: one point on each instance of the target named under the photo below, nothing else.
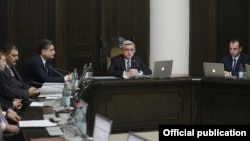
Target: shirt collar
(43, 60)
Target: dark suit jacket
(228, 61)
(6, 104)
(34, 71)
(117, 66)
(13, 87)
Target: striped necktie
(128, 65)
(234, 66)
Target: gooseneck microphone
(55, 70)
(137, 65)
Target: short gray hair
(127, 42)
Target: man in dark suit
(13, 82)
(8, 105)
(233, 60)
(39, 69)
(127, 65)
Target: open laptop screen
(134, 137)
(102, 128)
(248, 72)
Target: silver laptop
(102, 128)
(162, 69)
(214, 70)
(134, 137)
(248, 72)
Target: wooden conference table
(144, 104)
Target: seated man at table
(127, 65)
(10, 114)
(234, 58)
(12, 81)
(39, 69)
(11, 132)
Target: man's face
(12, 57)
(49, 53)
(235, 49)
(128, 51)
(2, 62)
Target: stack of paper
(51, 90)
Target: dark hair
(44, 44)
(8, 48)
(236, 39)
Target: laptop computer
(248, 72)
(162, 69)
(134, 137)
(214, 70)
(102, 128)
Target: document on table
(54, 131)
(36, 104)
(36, 123)
(51, 89)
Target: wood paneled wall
(212, 24)
(79, 28)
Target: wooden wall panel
(3, 22)
(233, 22)
(79, 28)
(212, 24)
(82, 31)
(130, 19)
(32, 21)
(199, 36)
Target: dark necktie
(234, 65)
(128, 65)
(46, 67)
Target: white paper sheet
(36, 123)
(54, 131)
(36, 104)
(51, 89)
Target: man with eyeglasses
(126, 64)
(235, 57)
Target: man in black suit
(127, 65)
(39, 69)
(235, 58)
(13, 82)
(6, 104)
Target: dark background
(82, 29)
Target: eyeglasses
(131, 50)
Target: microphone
(55, 71)
(137, 65)
(63, 110)
(89, 85)
(62, 70)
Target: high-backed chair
(109, 50)
(114, 51)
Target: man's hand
(12, 129)
(33, 91)
(13, 115)
(227, 74)
(132, 72)
(70, 77)
(17, 103)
